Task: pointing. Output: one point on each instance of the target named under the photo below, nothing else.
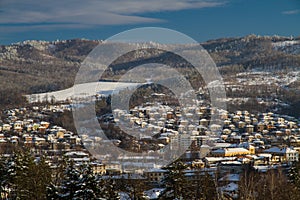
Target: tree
(109, 188)
(4, 177)
(89, 188)
(76, 182)
(272, 185)
(175, 182)
(24, 177)
(204, 187)
(40, 174)
(248, 184)
(294, 175)
(70, 183)
(133, 185)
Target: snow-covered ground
(285, 43)
(265, 78)
(81, 90)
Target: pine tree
(207, 186)
(89, 189)
(28, 179)
(53, 189)
(22, 164)
(70, 183)
(52, 192)
(133, 186)
(175, 182)
(4, 177)
(294, 174)
(40, 177)
(108, 188)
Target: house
(98, 168)
(185, 141)
(45, 124)
(6, 127)
(226, 152)
(155, 175)
(197, 164)
(42, 129)
(78, 156)
(213, 161)
(39, 141)
(113, 168)
(284, 154)
(18, 126)
(234, 166)
(249, 128)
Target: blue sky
(99, 19)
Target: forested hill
(256, 52)
(40, 66)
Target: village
(264, 141)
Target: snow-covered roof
(76, 153)
(222, 145)
(230, 187)
(231, 163)
(280, 150)
(231, 150)
(230, 178)
(156, 170)
(153, 193)
(218, 159)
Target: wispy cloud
(80, 13)
(291, 12)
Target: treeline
(23, 176)
(273, 184)
(10, 98)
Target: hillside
(39, 66)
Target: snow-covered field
(81, 90)
(264, 78)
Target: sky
(202, 20)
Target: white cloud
(291, 12)
(80, 13)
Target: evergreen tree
(175, 182)
(23, 162)
(52, 192)
(40, 178)
(109, 189)
(4, 177)
(294, 174)
(79, 182)
(26, 178)
(89, 189)
(205, 187)
(53, 188)
(133, 185)
(70, 183)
